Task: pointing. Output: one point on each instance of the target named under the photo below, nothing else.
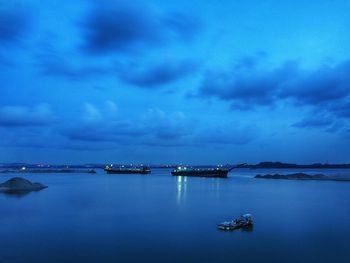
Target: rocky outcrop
(18, 184)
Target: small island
(19, 184)
(302, 176)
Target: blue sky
(174, 81)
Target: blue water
(160, 218)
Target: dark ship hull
(127, 171)
(218, 173)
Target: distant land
(303, 176)
(261, 165)
(76, 166)
(280, 165)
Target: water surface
(160, 218)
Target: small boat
(127, 170)
(244, 221)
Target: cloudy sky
(214, 81)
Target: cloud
(91, 113)
(326, 87)
(58, 66)
(183, 26)
(341, 109)
(118, 26)
(154, 126)
(14, 22)
(314, 121)
(22, 116)
(158, 75)
(251, 61)
(328, 83)
(165, 126)
(246, 89)
(114, 132)
(103, 127)
(227, 135)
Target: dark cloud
(52, 62)
(14, 22)
(120, 26)
(247, 88)
(324, 85)
(58, 66)
(327, 87)
(21, 116)
(341, 109)
(158, 75)
(314, 121)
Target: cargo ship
(219, 172)
(127, 170)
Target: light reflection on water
(181, 189)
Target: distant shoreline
(279, 165)
(27, 171)
(302, 177)
(260, 165)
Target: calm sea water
(160, 218)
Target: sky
(165, 81)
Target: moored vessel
(127, 170)
(219, 172)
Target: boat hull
(202, 173)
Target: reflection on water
(248, 228)
(17, 193)
(181, 189)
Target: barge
(218, 172)
(109, 169)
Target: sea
(162, 218)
